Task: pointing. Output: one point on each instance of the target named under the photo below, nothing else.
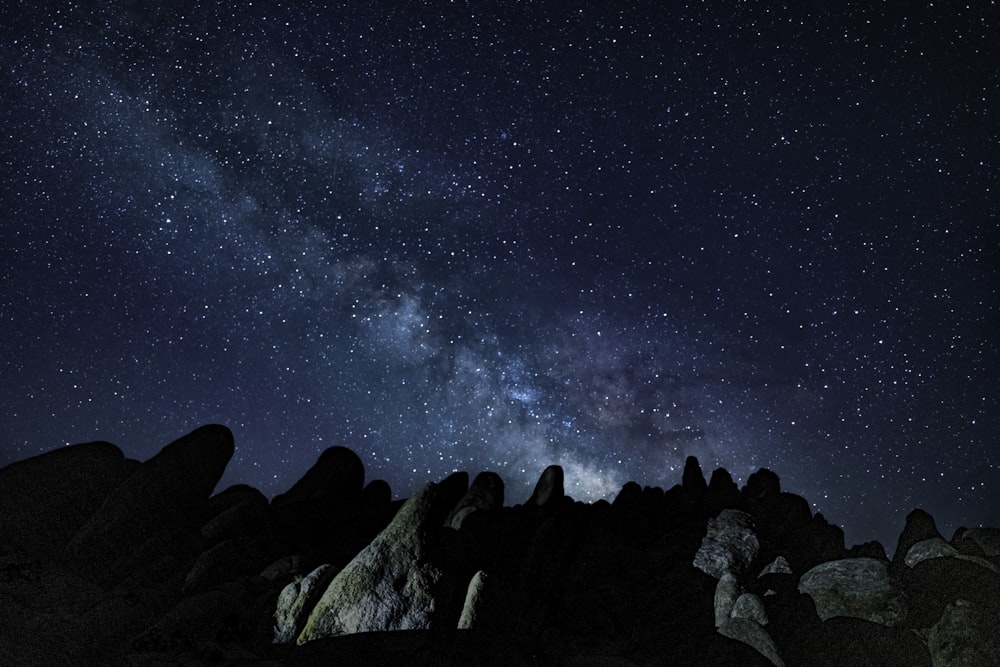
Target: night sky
(499, 236)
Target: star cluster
(461, 236)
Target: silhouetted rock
(549, 489)
(730, 545)
(337, 477)
(762, 485)
(108, 561)
(693, 479)
(723, 493)
(46, 499)
(856, 587)
(166, 495)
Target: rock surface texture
(109, 561)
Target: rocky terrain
(106, 560)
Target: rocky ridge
(105, 560)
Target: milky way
(460, 237)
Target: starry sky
(461, 235)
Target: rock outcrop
(111, 561)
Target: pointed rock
(338, 475)
(762, 485)
(549, 489)
(723, 493)
(693, 479)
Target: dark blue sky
(464, 236)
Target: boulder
(934, 547)
(752, 634)
(730, 544)
(549, 490)
(485, 494)
(964, 637)
(46, 499)
(855, 587)
(394, 583)
(483, 608)
(166, 495)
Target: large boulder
(964, 637)
(46, 499)
(164, 496)
(730, 545)
(856, 587)
(394, 583)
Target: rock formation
(105, 560)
